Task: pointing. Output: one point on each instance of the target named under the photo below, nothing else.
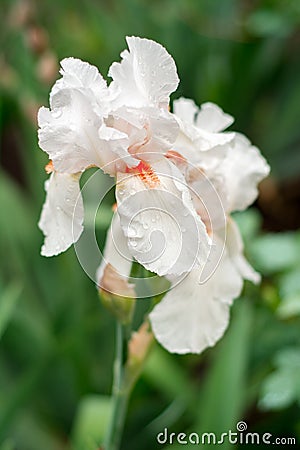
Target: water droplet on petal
(185, 214)
(121, 192)
(68, 200)
(145, 226)
(132, 232)
(153, 220)
(133, 243)
(58, 208)
(183, 230)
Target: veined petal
(243, 168)
(146, 75)
(235, 246)
(194, 316)
(164, 232)
(62, 214)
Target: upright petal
(146, 75)
(209, 117)
(62, 214)
(194, 316)
(243, 168)
(164, 232)
(186, 109)
(212, 118)
(82, 76)
(200, 129)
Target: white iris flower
(178, 177)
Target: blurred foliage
(56, 347)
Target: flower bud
(117, 295)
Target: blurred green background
(56, 340)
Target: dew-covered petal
(146, 75)
(70, 135)
(194, 316)
(164, 232)
(243, 169)
(62, 215)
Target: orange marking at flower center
(146, 174)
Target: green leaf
(91, 422)
(282, 387)
(8, 301)
(289, 291)
(249, 223)
(222, 399)
(275, 252)
(7, 445)
(164, 373)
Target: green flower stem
(121, 392)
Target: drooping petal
(62, 214)
(164, 232)
(194, 316)
(146, 75)
(243, 168)
(235, 248)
